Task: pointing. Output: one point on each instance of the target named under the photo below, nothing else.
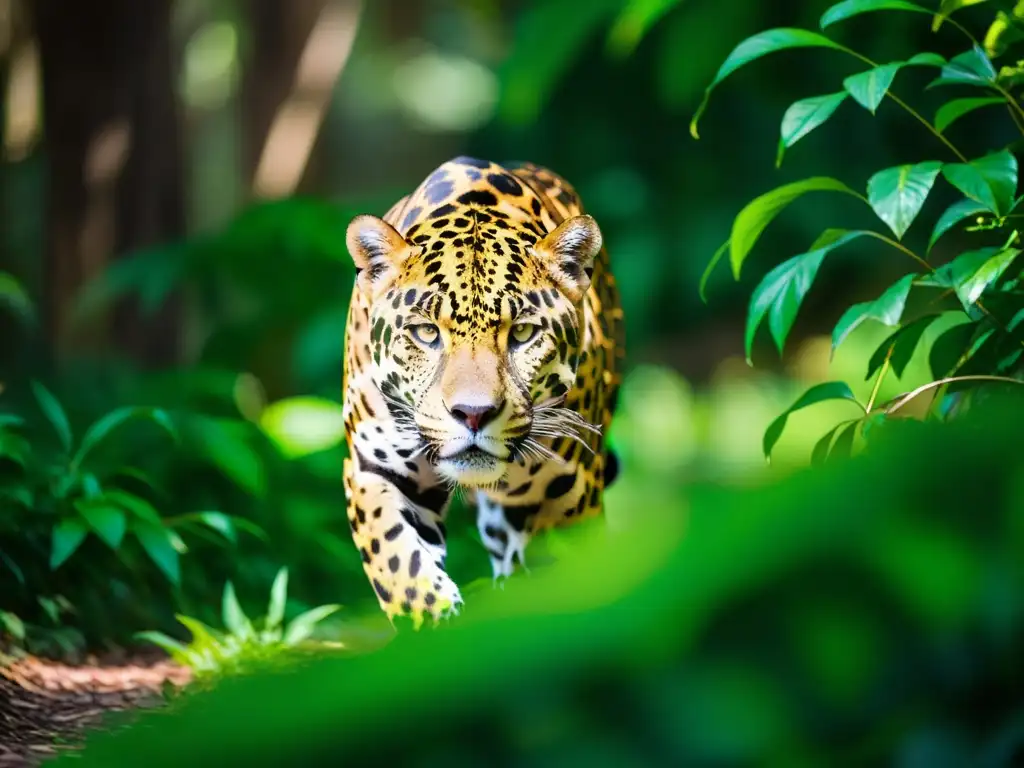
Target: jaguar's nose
(476, 417)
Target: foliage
(981, 286)
(887, 620)
(76, 512)
(246, 643)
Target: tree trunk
(113, 145)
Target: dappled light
(556, 382)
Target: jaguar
(483, 356)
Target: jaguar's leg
(505, 532)
(399, 529)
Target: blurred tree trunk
(115, 161)
(278, 33)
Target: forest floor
(46, 706)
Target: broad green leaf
(68, 536)
(897, 194)
(952, 216)
(849, 8)
(106, 520)
(102, 428)
(91, 487)
(138, 506)
(216, 521)
(903, 343)
(634, 21)
(953, 110)
(972, 67)
(782, 290)
(235, 620)
(830, 390)
(760, 212)
(543, 48)
(302, 626)
(990, 180)
(756, 46)
(949, 347)
(844, 442)
(703, 285)
(804, 116)
(16, 298)
(971, 273)
(278, 596)
(948, 8)
(156, 541)
(988, 273)
(926, 59)
(54, 413)
(12, 624)
(225, 443)
(869, 88)
(819, 453)
(886, 309)
(15, 448)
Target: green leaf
(235, 620)
(990, 180)
(886, 309)
(830, 390)
(949, 347)
(898, 194)
(203, 637)
(869, 88)
(844, 442)
(972, 67)
(156, 541)
(224, 443)
(754, 47)
(633, 22)
(819, 454)
(15, 448)
(176, 650)
(278, 596)
(216, 521)
(107, 521)
(13, 624)
(539, 57)
(926, 59)
(782, 290)
(971, 273)
(804, 116)
(760, 212)
(903, 343)
(302, 626)
(703, 286)
(849, 8)
(948, 8)
(953, 110)
(102, 428)
(54, 413)
(952, 216)
(68, 536)
(14, 296)
(971, 289)
(138, 506)
(13, 567)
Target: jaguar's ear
(569, 253)
(377, 250)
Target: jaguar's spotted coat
(483, 349)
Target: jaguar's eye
(426, 334)
(523, 332)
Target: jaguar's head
(476, 324)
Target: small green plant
(245, 642)
(981, 287)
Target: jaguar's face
(474, 347)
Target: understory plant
(245, 642)
(979, 288)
